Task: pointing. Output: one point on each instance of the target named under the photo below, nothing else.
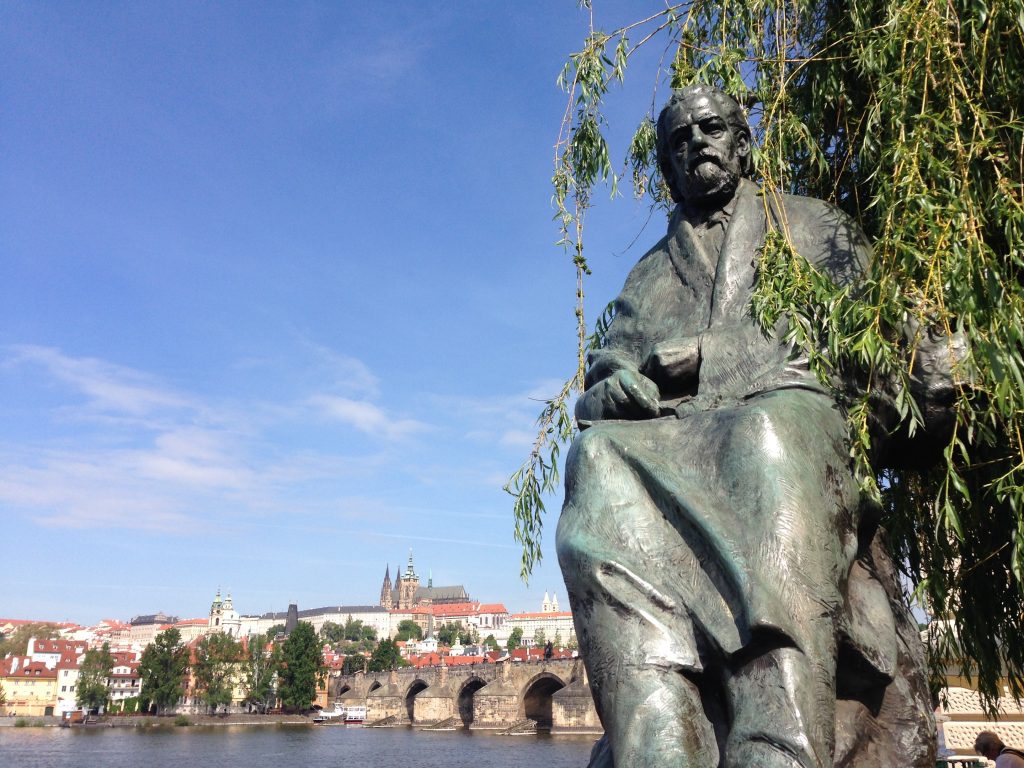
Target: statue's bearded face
(706, 155)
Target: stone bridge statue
(733, 603)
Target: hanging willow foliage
(906, 114)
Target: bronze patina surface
(733, 603)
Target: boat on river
(341, 715)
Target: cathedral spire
(386, 594)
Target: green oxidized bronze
(733, 602)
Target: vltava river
(283, 747)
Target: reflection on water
(278, 746)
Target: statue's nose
(697, 138)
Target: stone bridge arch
(464, 698)
(374, 686)
(416, 687)
(537, 698)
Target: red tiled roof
(192, 623)
(434, 660)
(542, 615)
(59, 646)
(455, 661)
(492, 608)
(26, 668)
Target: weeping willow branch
(906, 115)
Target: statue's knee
(592, 447)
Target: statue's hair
(734, 116)
(987, 740)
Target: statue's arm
(615, 389)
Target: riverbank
(168, 721)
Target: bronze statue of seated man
(732, 602)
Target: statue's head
(703, 144)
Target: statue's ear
(742, 143)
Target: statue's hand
(675, 362)
(625, 394)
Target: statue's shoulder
(826, 236)
(652, 265)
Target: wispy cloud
(366, 417)
(502, 420)
(343, 373)
(140, 455)
(108, 387)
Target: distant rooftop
(345, 609)
(153, 618)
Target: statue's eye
(681, 137)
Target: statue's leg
(783, 709)
(655, 719)
(614, 550)
(801, 494)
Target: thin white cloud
(69, 490)
(343, 373)
(517, 438)
(366, 417)
(108, 387)
(136, 454)
(374, 64)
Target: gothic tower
(386, 593)
(408, 585)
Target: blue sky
(278, 296)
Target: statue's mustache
(705, 156)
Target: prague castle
(406, 591)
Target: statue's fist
(624, 394)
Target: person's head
(703, 144)
(988, 745)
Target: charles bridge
(507, 696)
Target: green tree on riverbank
(162, 670)
(301, 669)
(260, 672)
(214, 670)
(94, 671)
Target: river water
(284, 747)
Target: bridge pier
(386, 701)
(496, 705)
(572, 708)
(437, 702)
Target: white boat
(331, 715)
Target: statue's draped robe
(692, 542)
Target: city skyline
(280, 298)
